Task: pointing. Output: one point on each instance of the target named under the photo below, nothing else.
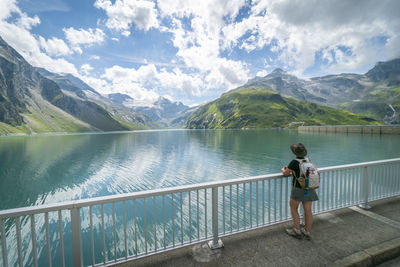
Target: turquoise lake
(53, 168)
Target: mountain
(64, 83)
(77, 88)
(258, 107)
(386, 72)
(32, 103)
(287, 85)
(344, 90)
(380, 98)
(162, 108)
(379, 104)
(181, 120)
(81, 84)
(163, 111)
(120, 98)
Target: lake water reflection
(47, 169)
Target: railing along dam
(115, 229)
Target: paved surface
(348, 237)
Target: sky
(193, 51)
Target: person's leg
(307, 206)
(294, 206)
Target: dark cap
(299, 150)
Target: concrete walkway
(348, 237)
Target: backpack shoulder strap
(302, 160)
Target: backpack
(309, 175)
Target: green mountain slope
(334, 90)
(380, 103)
(258, 107)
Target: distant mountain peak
(278, 71)
(119, 98)
(166, 101)
(388, 71)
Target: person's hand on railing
(286, 171)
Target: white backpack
(309, 175)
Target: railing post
(216, 242)
(365, 186)
(3, 244)
(76, 237)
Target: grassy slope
(119, 117)
(375, 103)
(47, 118)
(9, 129)
(52, 119)
(257, 107)
(130, 125)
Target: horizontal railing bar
(156, 192)
(357, 165)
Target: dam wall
(360, 129)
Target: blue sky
(193, 51)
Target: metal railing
(114, 229)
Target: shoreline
(86, 133)
(363, 129)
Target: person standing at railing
(298, 195)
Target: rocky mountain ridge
(32, 103)
(163, 111)
(340, 90)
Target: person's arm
(286, 171)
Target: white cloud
(95, 57)
(86, 68)
(83, 37)
(262, 73)
(177, 82)
(123, 14)
(132, 82)
(146, 83)
(100, 85)
(296, 32)
(27, 22)
(55, 47)
(144, 74)
(227, 74)
(7, 7)
(199, 46)
(18, 35)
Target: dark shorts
(299, 194)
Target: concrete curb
(373, 255)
